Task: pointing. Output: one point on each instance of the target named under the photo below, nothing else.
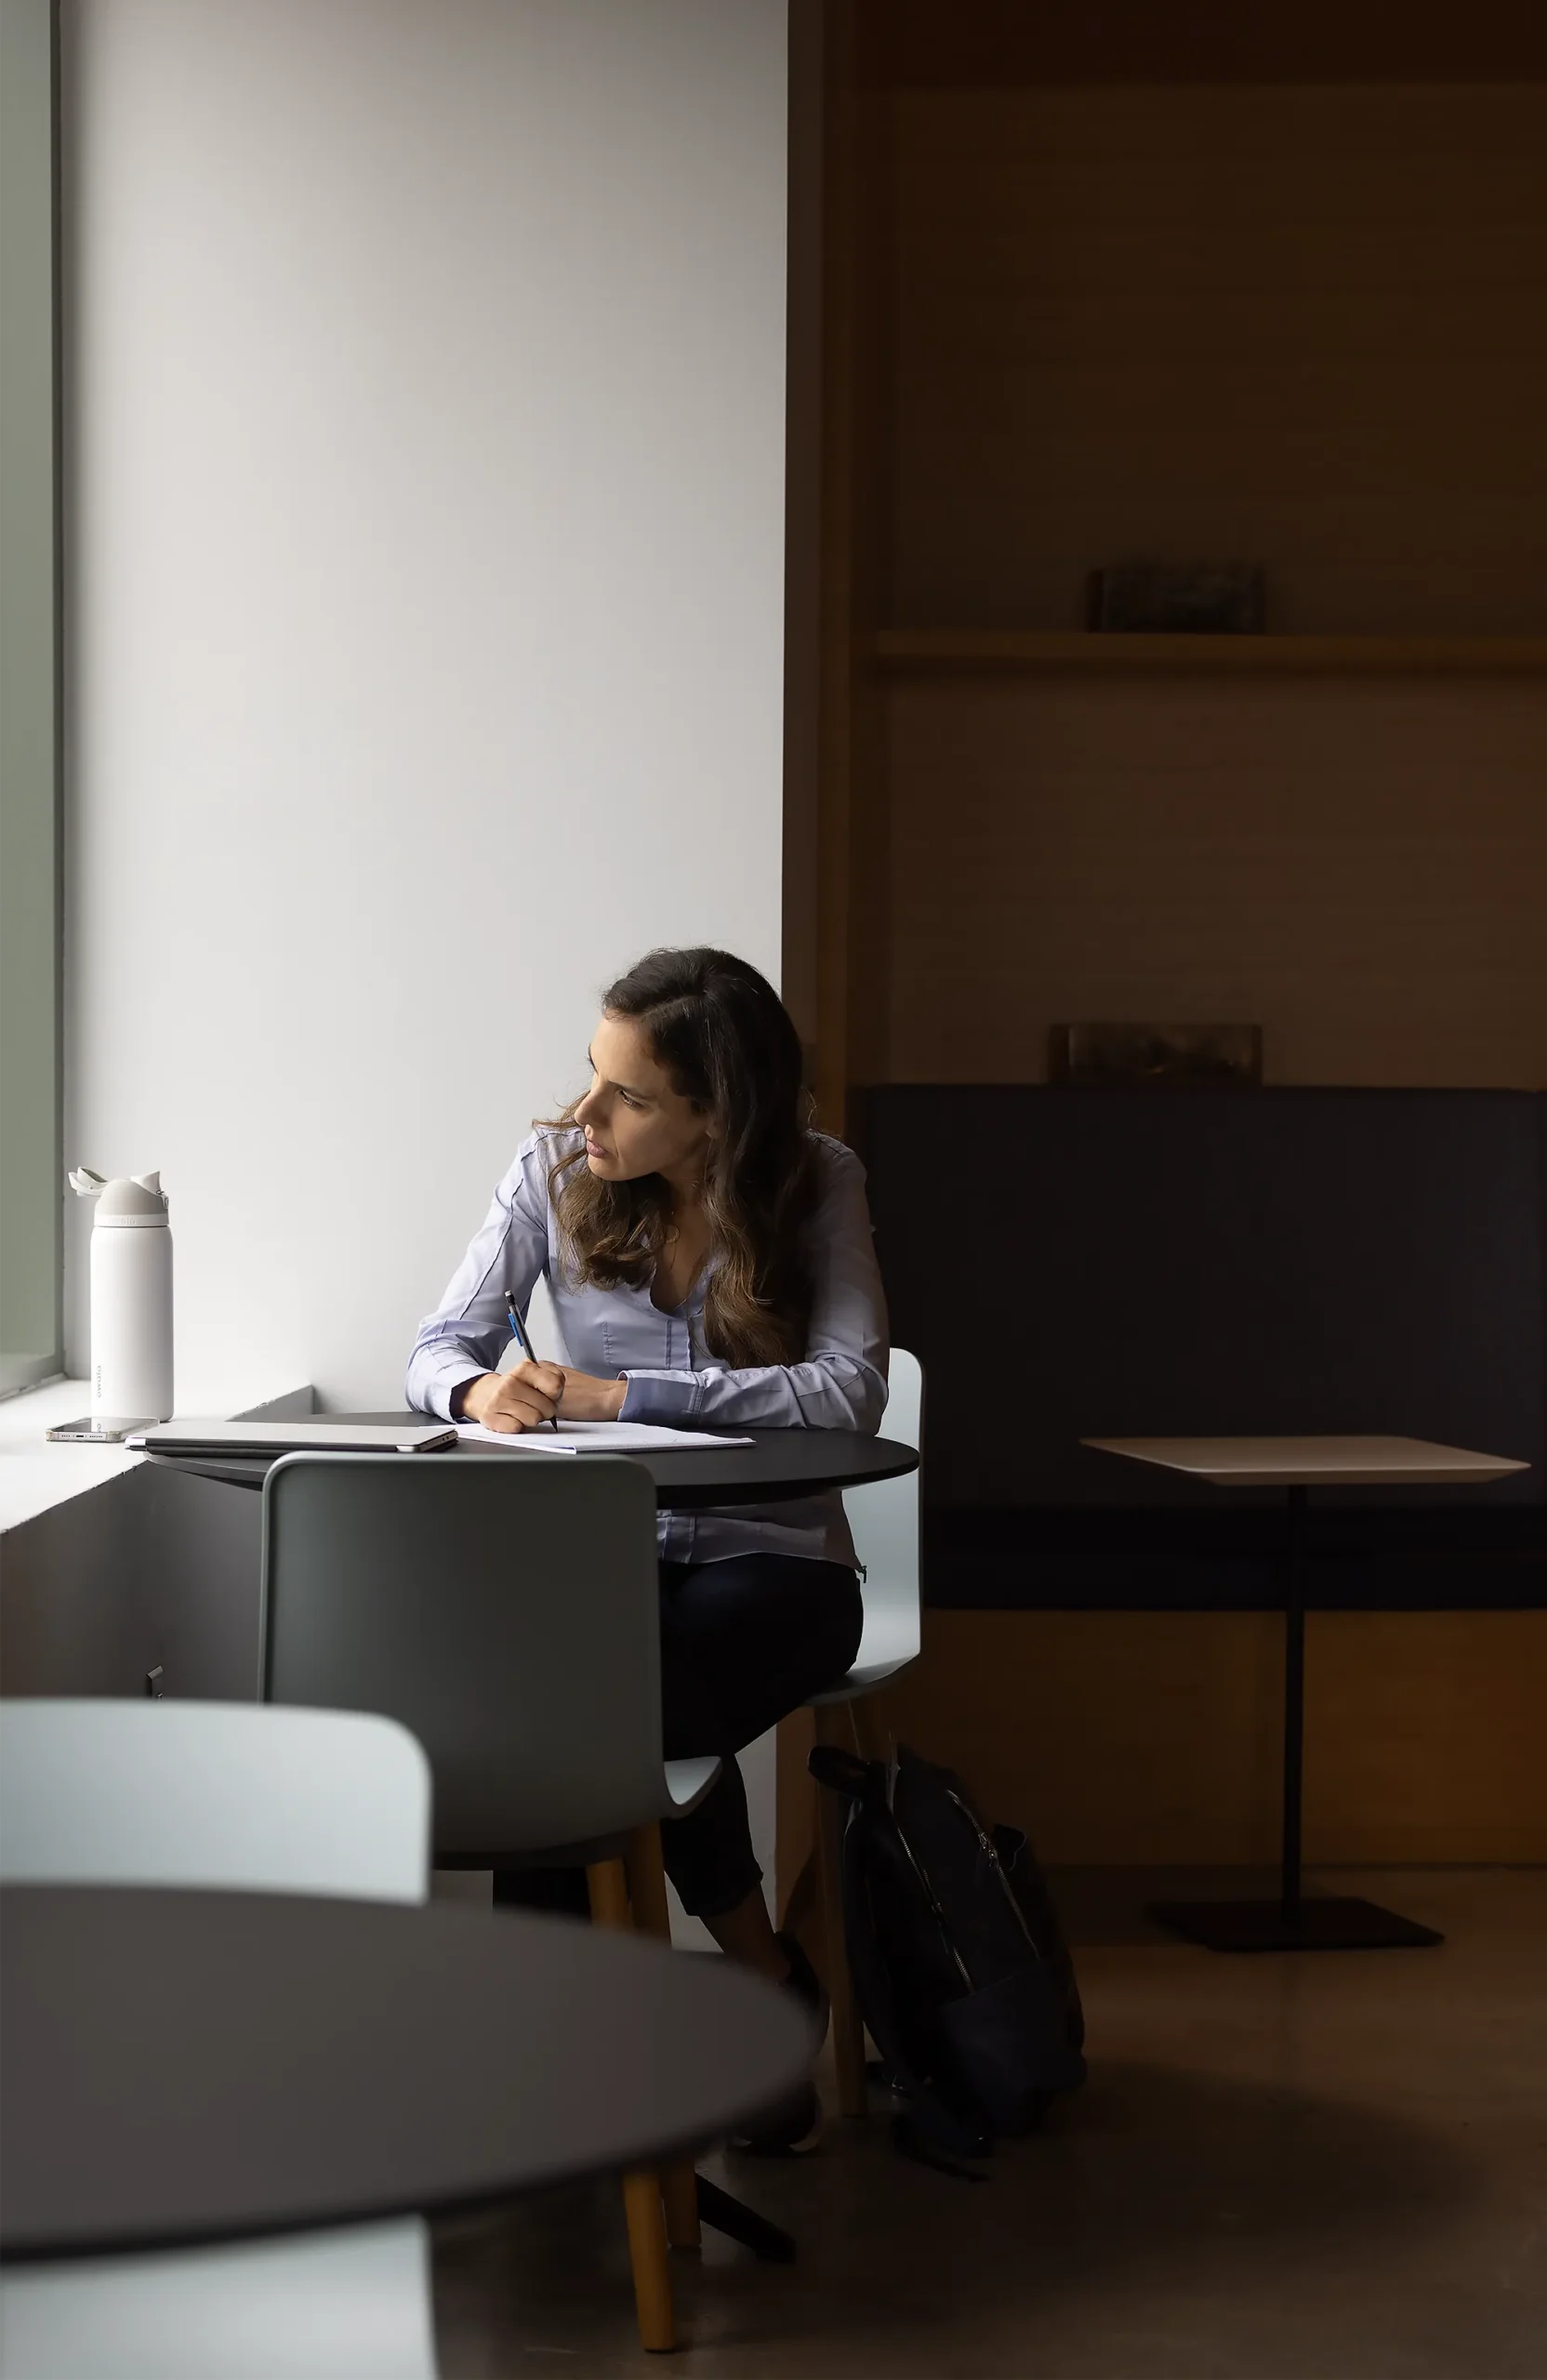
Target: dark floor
(1281, 2166)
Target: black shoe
(792, 2126)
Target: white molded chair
(234, 1796)
(229, 1796)
(884, 1518)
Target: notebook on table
(596, 1437)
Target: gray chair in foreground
(223, 1796)
(884, 1520)
(507, 1612)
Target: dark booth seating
(1074, 1263)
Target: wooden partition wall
(1087, 288)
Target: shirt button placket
(679, 1334)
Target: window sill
(34, 1477)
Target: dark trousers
(742, 1642)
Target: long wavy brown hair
(724, 1037)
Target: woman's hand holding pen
(532, 1394)
(520, 1399)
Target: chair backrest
(504, 1606)
(220, 1795)
(884, 1517)
(347, 2303)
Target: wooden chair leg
(608, 1886)
(653, 1915)
(869, 1736)
(832, 1727)
(641, 2208)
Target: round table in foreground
(179, 2066)
(777, 1467)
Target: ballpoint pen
(524, 1341)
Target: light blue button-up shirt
(840, 1383)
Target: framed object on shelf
(1180, 598)
(1228, 1055)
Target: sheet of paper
(596, 1437)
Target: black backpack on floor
(956, 1955)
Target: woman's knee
(832, 1622)
(739, 1650)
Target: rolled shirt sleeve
(840, 1383)
(470, 1331)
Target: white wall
(425, 496)
(30, 1182)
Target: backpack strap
(843, 1772)
(931, 2130)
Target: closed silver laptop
(342, 1437)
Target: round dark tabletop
(189, 2066)
(777, 1466)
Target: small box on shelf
(1226, 1055)
(1179, 599)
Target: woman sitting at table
(709, 1258)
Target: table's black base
(724, 2213)
(1320, 1925)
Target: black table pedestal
(1292, 1923)
(739, 2221)
(1317, 1924)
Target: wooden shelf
(903, 649)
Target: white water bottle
(131, 1296)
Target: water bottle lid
(130, 1197)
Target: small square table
(1292, 1923)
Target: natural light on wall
(30, 1178)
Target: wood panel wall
(1156, 1736)
(998, 45)
(1194, 285)
(1305, 326)
(1357, 864)
(1300, 325)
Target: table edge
(1475, 1473)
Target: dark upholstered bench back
(1071, 1264)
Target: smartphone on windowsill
(97, 1430)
